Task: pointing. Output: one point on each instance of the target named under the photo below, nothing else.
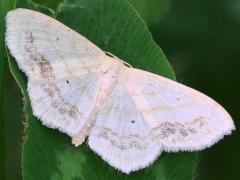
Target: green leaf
(52, 4)
(152, 10)
(4, 7)
(115, 27)
(34, 6)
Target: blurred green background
(201, 39)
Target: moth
(130, 116)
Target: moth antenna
(124, 62)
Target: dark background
(201, 39)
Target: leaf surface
(5, 6)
